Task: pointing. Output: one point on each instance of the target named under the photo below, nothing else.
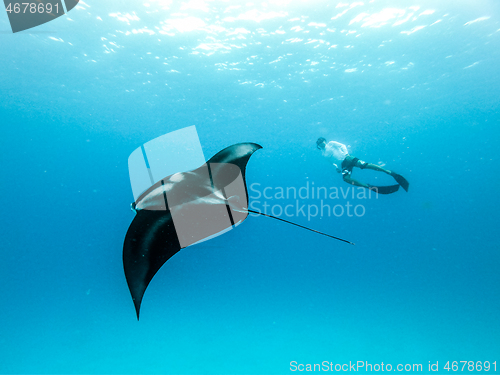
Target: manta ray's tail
(298, 225)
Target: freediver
(337, 153)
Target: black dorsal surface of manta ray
(186, 208)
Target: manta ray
(184, 209)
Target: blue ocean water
(414, 86)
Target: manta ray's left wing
(151, 240)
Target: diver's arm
(354, 182)
(343, 148)
(336, 144)
(339, 146)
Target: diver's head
(321, 143)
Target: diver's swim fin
(401, 180)
(384, 189)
